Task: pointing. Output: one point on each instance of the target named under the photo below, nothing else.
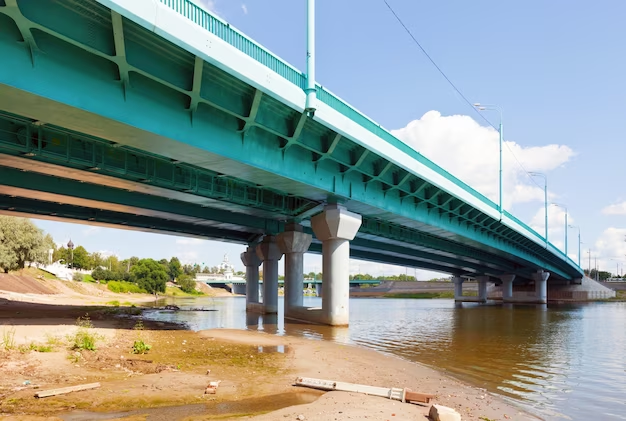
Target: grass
(125, 287)
(89, 278)
(177, 292)
(35, 347)
(84, 338)
(8, 339)
(114, 303)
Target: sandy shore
(256, 371)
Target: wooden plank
(411, 396)
(385, 392)
(64, 390)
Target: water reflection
(565, 361)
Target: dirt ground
(256, 370)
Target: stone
(300, 417)
(443, 413)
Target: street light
(70, 246)
(545, 193)
(481, 107)
(564, 208)
(579, 242)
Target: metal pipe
(310, 105)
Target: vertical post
(310, 58)
(458, 288)
(335, 227)
(251, 261)
(545, 196)
(268, 251)
(566, 231)
(579, 246)
(482, 288)
(507, 287)
(294, 243)
(541, 286)
(500, 195)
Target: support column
(507, 287)
(541, 286)
(294, 243)
(251, 261)
(335, 228)
(482, 288)
(268, 251)
(458, 288)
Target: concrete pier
(251, 261)
(335, 228)
(482, 288)
(458, 288)
(507, 287)
(293, 243)
(270, 254)
(541, 286)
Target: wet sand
(256, 370)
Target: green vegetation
(125, 287)
(150, 276)
(20, 242)
(34, 347)
(77, 277)
(139, 346)
(8, 339)
(114, 303)
(84, 338)
(186, 283)
(177, 292)
(88, 278)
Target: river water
(559, 362)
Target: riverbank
(256, 371)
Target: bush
(125, 287)
(84, 339)
(100, 274)
(77, 277)
(186, 283)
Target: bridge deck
(155, 115)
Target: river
(560, 362)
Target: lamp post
(545, 194)
(579, 242)
(499, 110)
(565, 209)
(70, 246)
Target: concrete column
(335, 227)
(541, 286)
(318, 290)
(251, 261)
(269, 252)
(294, 243)
(458, 288)
(507, 287)
(482, 288)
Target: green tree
(150, 275)
(96, 259)
(81, 259)
(186, 283)
(175, 268)
(21, 241)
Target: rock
(300, 417)
(443, 413)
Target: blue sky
(556, 68)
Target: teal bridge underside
(108, 119)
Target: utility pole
(596, 265)
(589, 252)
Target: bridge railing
(237, 39)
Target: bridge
(155, 115)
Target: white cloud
(556, 228)
(610, 250)
(188, 241)
(91, 230)
(615, 209)
(470, 152)
(244, 8)
(209, 5)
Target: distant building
(227, 275)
